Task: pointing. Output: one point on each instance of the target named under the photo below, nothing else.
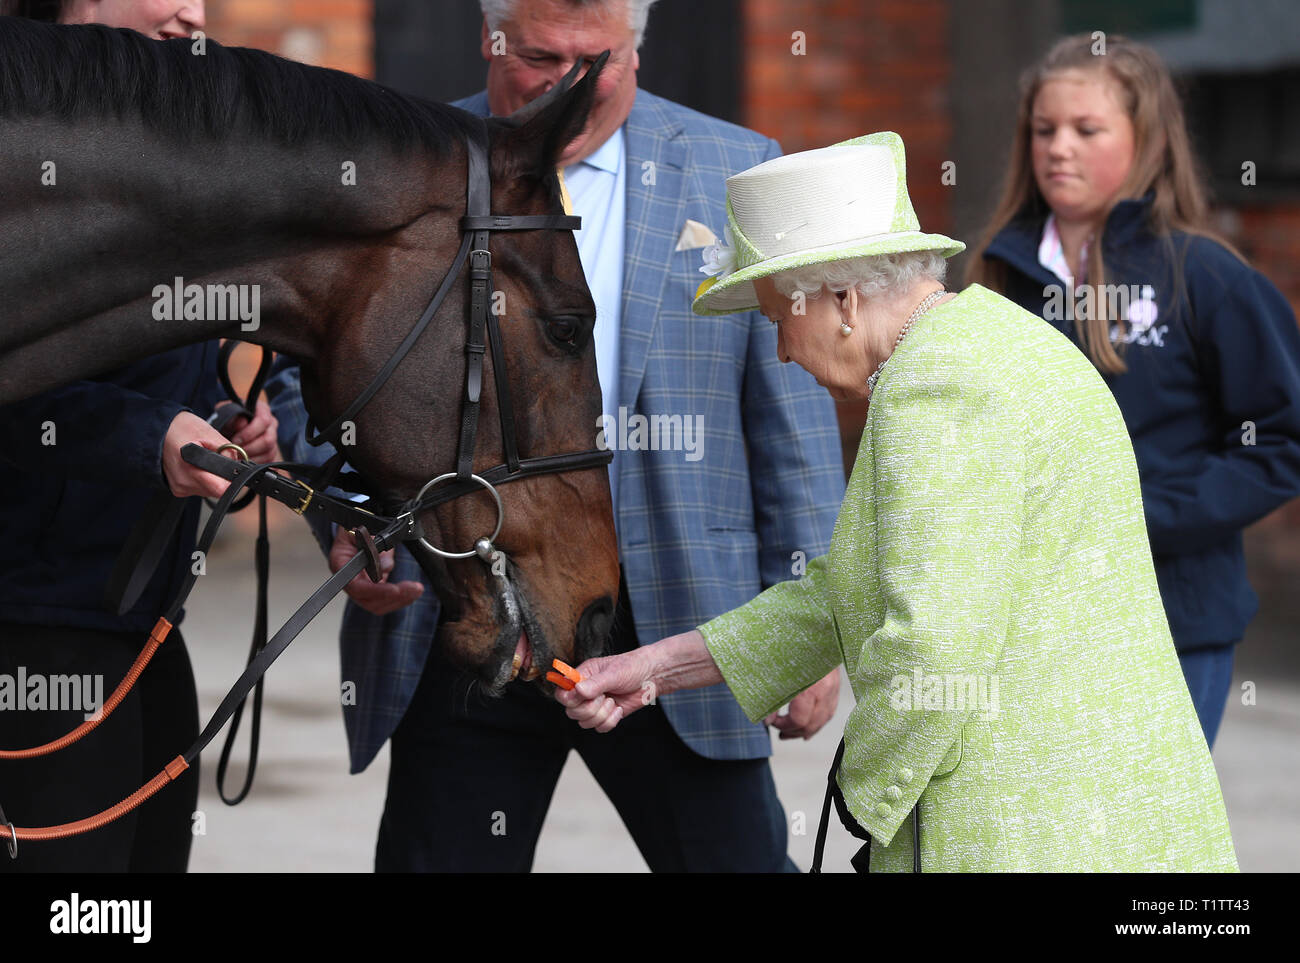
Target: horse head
(127, 164)
(553, 593)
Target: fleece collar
(1017, 243)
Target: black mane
(80, 72)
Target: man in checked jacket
(700, 532)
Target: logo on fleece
(1141, 316)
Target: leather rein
(372, 532)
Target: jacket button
(893, 793)
(904, 777)
(882, 811)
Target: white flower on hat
(720, 259)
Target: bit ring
(501, 515)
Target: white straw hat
(848, 200)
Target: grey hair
(877, 274)
(638, 12)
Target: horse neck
(97, 246)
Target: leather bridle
(476, 226)
(372, 532)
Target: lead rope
(140, 556)
(261, 563)
(239, 691)
(136, 566)
(261, 566)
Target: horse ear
(537, 134)
(530, 110)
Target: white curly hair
(874, 275)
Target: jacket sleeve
(948, 503)
(776, 645)
(1249, 348)
(87, 429)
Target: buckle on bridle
(302, 506)
(365, 543)
(480, 260)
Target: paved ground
(307, 814)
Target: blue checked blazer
(697, 538)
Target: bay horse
(131, 166)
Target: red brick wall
(868, 65)
(1269, 237)
(328, 33)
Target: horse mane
(81, 72)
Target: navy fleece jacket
(66, 508)
(1211, 399)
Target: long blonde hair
(1163, 163)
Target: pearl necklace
(921, 308)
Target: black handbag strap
(819, 847)
(862, 860)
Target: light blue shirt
(598, 188)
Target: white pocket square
(695, 235)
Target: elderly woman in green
(989, 587)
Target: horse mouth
(522, 663)
(525, 652)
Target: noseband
(476, 228)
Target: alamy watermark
(945, 692)
(179, 301)
(128, 917)
(58, 693)
(1133, 303)
(638, 432)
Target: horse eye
(564, 329)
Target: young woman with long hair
(1103, 229)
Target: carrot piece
(572, 674)
(556, 679)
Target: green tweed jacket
(991, 593)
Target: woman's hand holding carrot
(615, 686)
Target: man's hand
(377, 598)
(810, 709)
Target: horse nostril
(594, 626)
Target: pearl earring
(846, 329)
